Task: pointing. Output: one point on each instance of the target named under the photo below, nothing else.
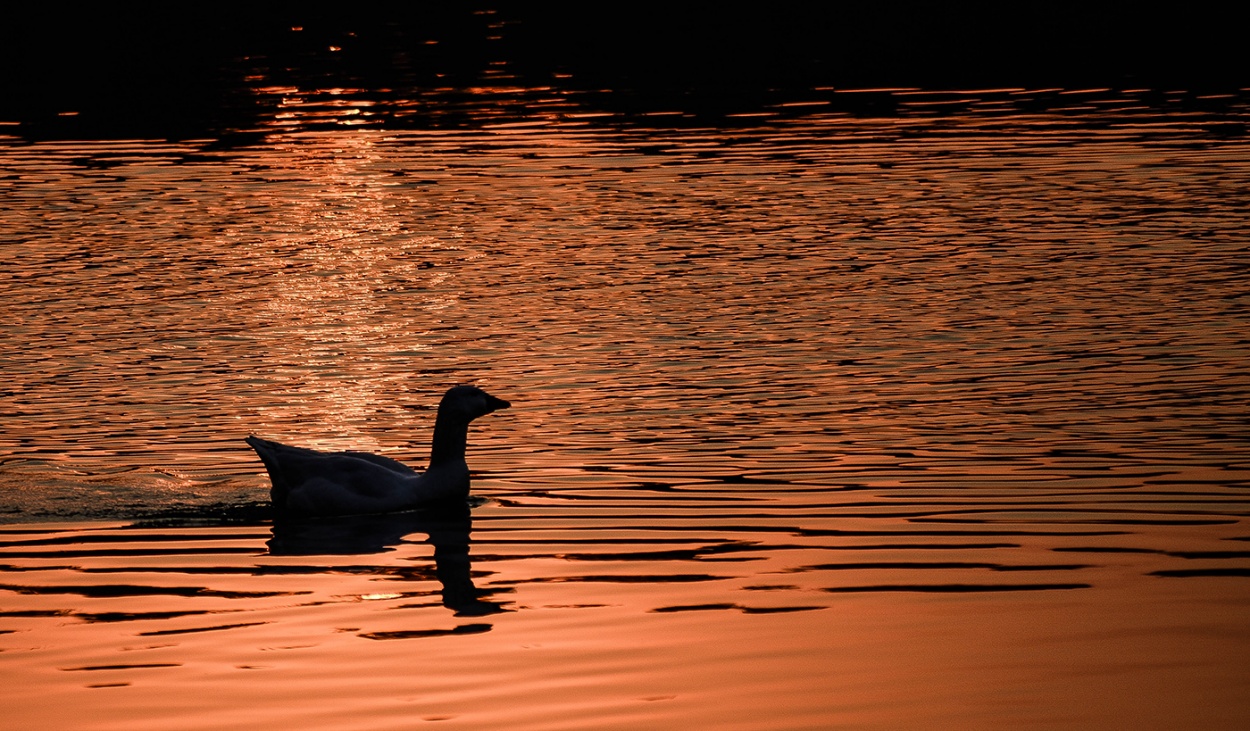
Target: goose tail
(267, 451)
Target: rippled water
(931, 420)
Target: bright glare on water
(936, 420)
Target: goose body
(308, 483)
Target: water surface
(820, 420)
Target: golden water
(929, 421)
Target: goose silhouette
(308, 483)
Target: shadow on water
(446, 529)
(91, 71)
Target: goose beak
(495, 404)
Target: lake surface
(934, 418)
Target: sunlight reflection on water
(840, 386)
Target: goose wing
(292, 468)
(391, 464)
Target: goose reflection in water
(446, 528)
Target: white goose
(308, 483)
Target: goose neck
(450, 437)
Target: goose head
(466, 403)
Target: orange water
(929, 421)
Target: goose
(308, 483)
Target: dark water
(820, 419)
